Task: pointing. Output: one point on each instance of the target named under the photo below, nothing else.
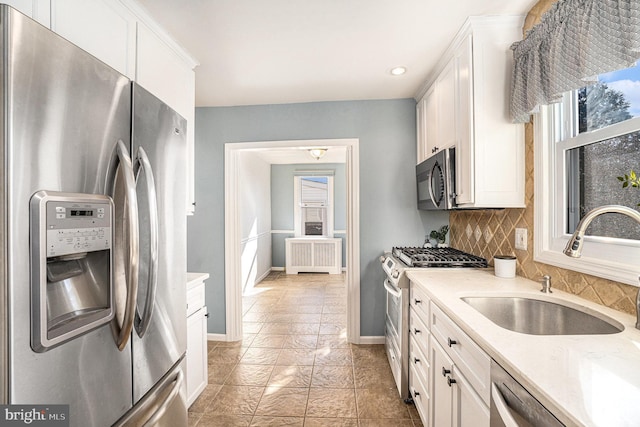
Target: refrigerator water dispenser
(71, 266)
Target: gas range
(396, 284)
(401, 259)
(437, 257)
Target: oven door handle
(389, 287)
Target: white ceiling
(255, 52)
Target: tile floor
(294, 366)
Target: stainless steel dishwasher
(513, 406)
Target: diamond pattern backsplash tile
(487, 233)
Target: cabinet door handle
(206, 315)
(416, 331)
(451, 342)
(416, 360)
(451, 381)
(445, 371)
(417, 301)
(415, 393)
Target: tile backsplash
(492, 232)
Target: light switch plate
(521, 239)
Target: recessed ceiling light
(398, 71)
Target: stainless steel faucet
(574, 245)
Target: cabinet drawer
(419, 361)
(418, 331)
(195, 298)
(420, 393)
(419, 301)
(472, 361)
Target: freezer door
(63, 112)
(159, 341)
(164, 405)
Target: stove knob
(395, 273)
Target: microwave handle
(430, 186)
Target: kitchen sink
(541, 317)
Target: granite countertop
(590, 380)
(195, 278)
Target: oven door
(396, 335)
(393, 308)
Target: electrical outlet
(521, 239)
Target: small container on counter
(505, 266)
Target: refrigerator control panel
(78, 226)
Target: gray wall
(388, 214)
(282, 205)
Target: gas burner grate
(437, 257)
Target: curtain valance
(575, 41)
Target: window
(583, 145)
(313, 207)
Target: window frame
(554, 133)
(297, 208)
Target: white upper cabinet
(36, 9)
(431, 122)
(446, 109)
(421, 130)
(465, 165)
(494, 173)
(121, 34)
(104, 28)
(162, 71)
(472, 84)
(435, 112)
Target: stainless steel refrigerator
(92, 236)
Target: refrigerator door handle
(142, 162)
(166, 402)
(122, 329)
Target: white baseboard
(262, 277)
(372, 340)
(216, 337)
(277, 268)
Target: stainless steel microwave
(436, 181)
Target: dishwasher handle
(513, 406)
(501, 406)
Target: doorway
(233, 228)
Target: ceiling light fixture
(398, 71)
(316, 153)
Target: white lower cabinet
(449, 375)
(419, 354)
(442, 392)
(197, 376)
(454, 401)
(468, 408)
(419, 381)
